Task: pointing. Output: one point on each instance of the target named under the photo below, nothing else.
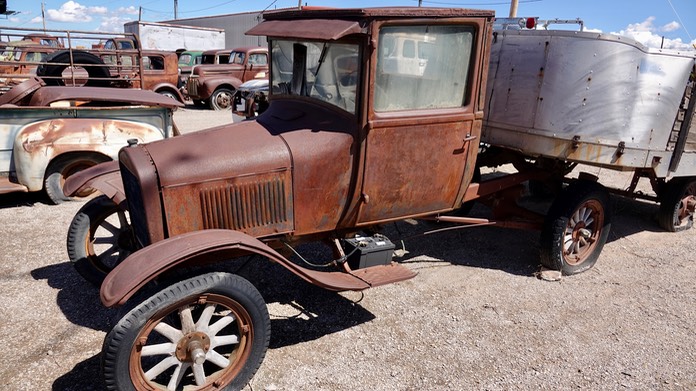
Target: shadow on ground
(13, 200)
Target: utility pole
(43, 15)
(513, 8)
(176, 9)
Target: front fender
(169, 88)
(213, 83)
(199, 247)
(104, 177)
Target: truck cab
(351, 140)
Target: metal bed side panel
(593, 98)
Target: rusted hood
(223, 152)
(217, 68)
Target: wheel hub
(193, 347)
(688, 206)
(125, 239)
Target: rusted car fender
(205, 246)
(104, 177)
(170, 88)
(38, 143)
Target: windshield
(237, 58)
(185, 59)
(326, 71)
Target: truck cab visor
(319, 29)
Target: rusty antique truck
(342, 148)
(215, 84)
(375, 116)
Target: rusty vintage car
(215, 84)
(341, 149)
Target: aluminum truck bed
(591, 98)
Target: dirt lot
(474, 318)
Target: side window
(409, 49)
(34, 57)
(125, 45)
(153, 63)
(423, 67)
(258, 59)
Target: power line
(477, 4)
(189, 12)
(680, 21)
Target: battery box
(366, 251)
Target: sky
(654, 23)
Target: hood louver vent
(245, 206)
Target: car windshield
(237, 58)
(325, 71)
(185, 59)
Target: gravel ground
(474, 318)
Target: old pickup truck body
(45, 128)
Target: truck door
(257, 66)
(423, 124)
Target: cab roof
(335, 23)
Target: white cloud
(113, 24)
(69, 12)
(646, 33)
(646, 25)
(129, 11)
(98, 10)
(671, 26)
(73, 12)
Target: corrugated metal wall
(235, 26)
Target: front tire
(208, 332)
(99, 238)
(576, 227)
(221, 99)
(169, 94)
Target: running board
(384, 274)
(10, 187)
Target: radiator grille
(244, 206)
(192, 86)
